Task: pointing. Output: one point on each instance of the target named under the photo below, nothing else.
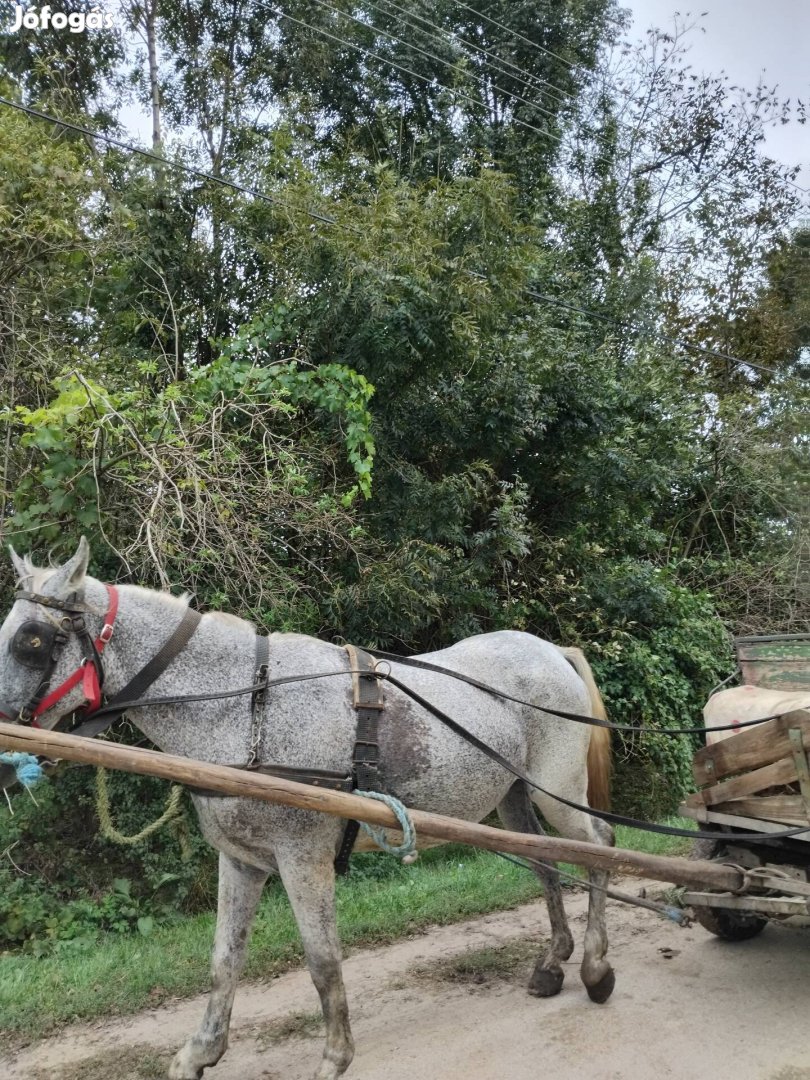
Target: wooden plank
(787, 809)
(775, 775)
(765, 905)
(274, 789)
(738, 821)
(780, 661)
(750, 748)
(802, 767)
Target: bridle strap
(144, 678)
(91, 673)
(70, 606)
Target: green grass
(380, 902)
(139, 1062)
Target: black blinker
(33, 644)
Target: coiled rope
(26, 766)
(108, 830)
(407, 849)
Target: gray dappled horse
(312, 725)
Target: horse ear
(70, 577)
(19, 565)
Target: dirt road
(686, 1006)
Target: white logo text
(74, 21)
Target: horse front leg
(517, 813)
(240, 888)
(308, 873)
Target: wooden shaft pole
(238, 782)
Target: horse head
(38, 646)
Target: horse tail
(599, 757)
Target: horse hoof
(602, 990)
(181, 1069)
(545, 983)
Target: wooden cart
(757, 780)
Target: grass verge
(381, 901)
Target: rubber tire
(730, 925)
(724, 923)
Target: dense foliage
(445, 376)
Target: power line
(447, 36)
(539, 296)
(683, 344)
(400, 67)
(444, 34)
(429, 55)
(241, 189)
(392, 63)
(160, 160)
(280, 13)
(516, 34)
(568, 64)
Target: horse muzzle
(8, 777)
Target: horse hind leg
(240, 888)
(596, 972)
(517, 813)
(309, 879)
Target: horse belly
(429, 767)
(248, 830)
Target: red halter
(88, 673)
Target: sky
(749, 40)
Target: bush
(663, 653)
(62, 883)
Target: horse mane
(232, 620)
(183, 600)
(39, 575)
(599, 756)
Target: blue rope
(408, 846)
(28, 769)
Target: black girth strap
(369, 703)
(258, 700)
(170, 650)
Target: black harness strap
(286, 680)
(258, 699)
(323, 778)
(369, 703)
(603, 815)
(71, 605)
(592, 721)
(170, 650)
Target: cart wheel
(723, 922)
(730, 925)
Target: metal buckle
(106, 633)
(259, 677)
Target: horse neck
(219, 656)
